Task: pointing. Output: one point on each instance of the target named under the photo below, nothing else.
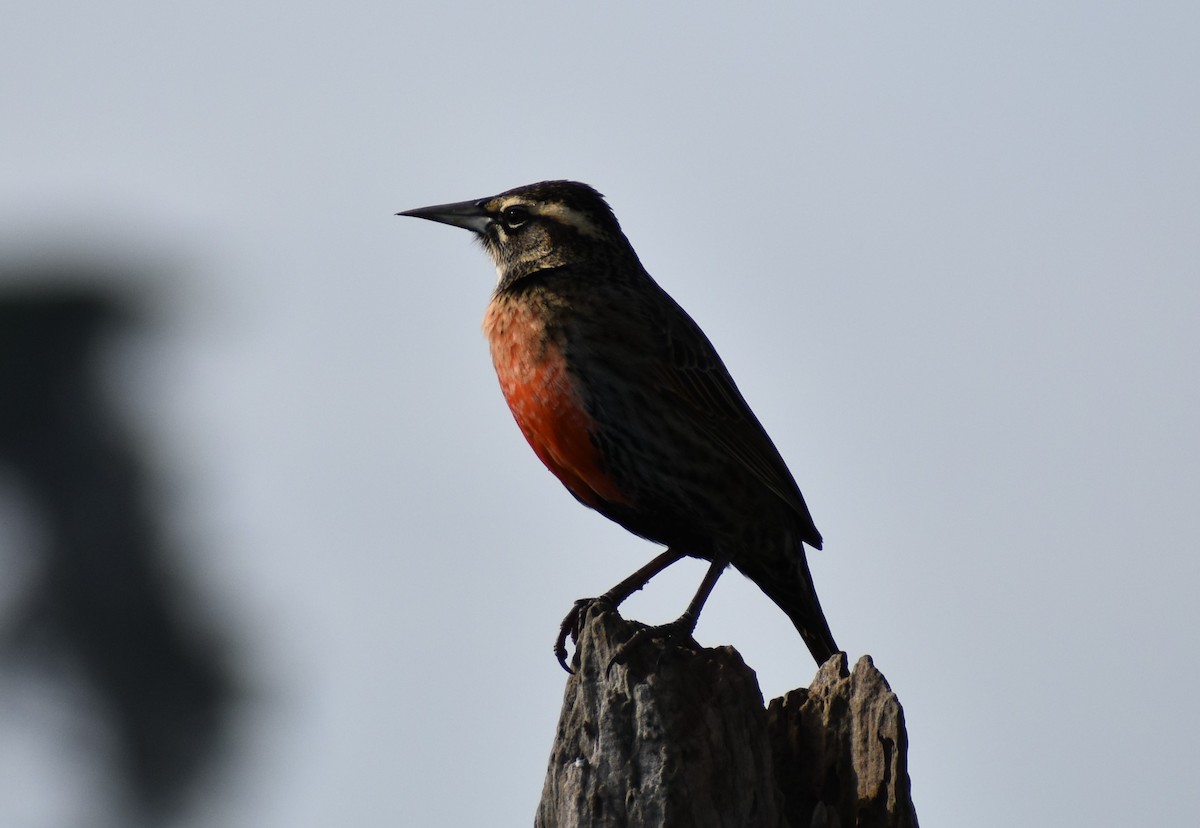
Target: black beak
(469, 215)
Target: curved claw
(679, 628)
(571, 626)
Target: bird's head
(535, 227)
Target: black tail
(790, 586)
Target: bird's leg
(681, 627)
(572, 624)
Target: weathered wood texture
(840, 750)
(679, 737)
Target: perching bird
(621, 395)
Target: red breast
(545, 400)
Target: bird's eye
(513, 217)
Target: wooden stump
(679, 736)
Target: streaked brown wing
(694, 374)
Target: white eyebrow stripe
(560, 213)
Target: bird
(623, 398)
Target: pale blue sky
(949, 251)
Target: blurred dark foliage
(104, 593)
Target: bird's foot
(571, 626)
(679, 630)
